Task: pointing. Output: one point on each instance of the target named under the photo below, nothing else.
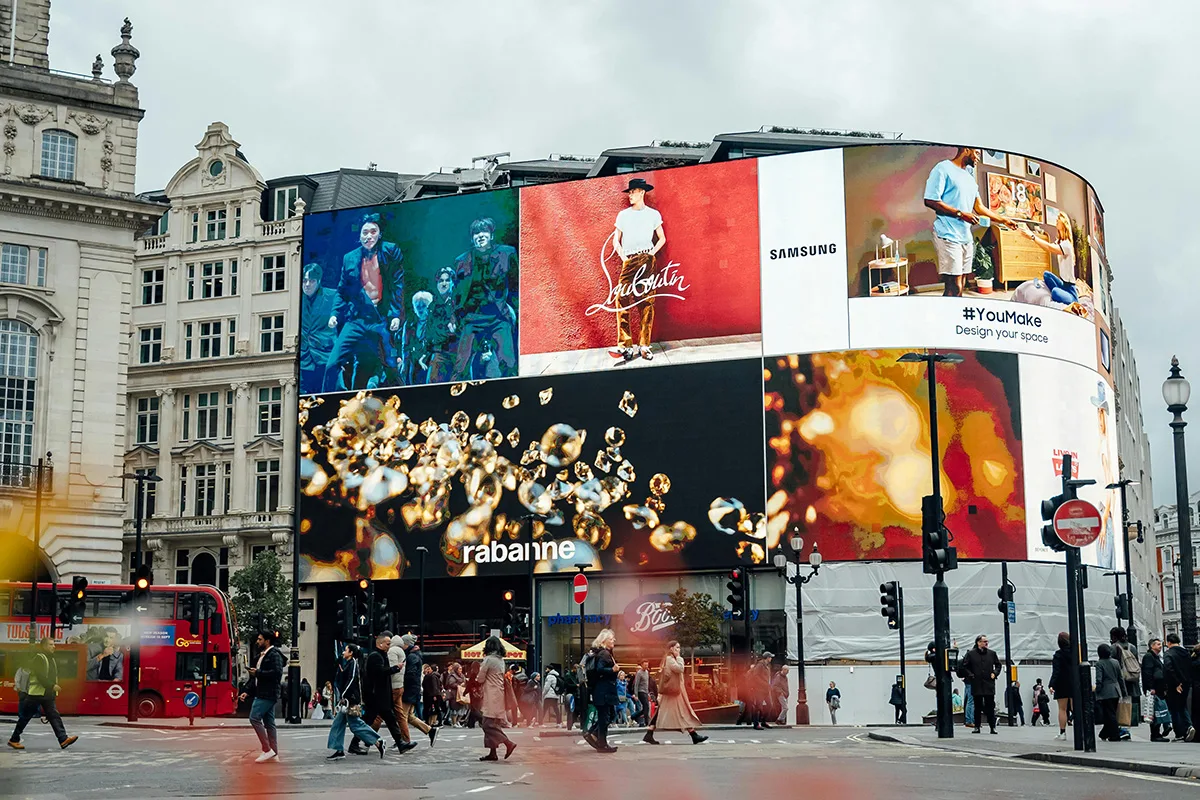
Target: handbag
(931, 681)
(1162, 714)
(1125, 712)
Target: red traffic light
(735, 574)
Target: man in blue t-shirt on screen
(952, 191)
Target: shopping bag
(1124, 712)
(1162, 714)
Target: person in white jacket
(550, 698)
(395, 658)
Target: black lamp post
(798, 580)
(1176, 392)
(135, 648)
(941, 593)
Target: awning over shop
(511, 652)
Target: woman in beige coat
(674, 711)
(493, 710)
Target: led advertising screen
(670, 370)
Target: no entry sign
(581, 588)
(1077, 523)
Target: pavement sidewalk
(1177, 759)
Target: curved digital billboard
(670, 370)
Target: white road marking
(479, 789)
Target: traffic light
(366, 588)
(737, 593)
(383, 617)
(73, 609)
(936, 553)
(192, 614)
(1049, 537)
(142, 580)
(345, 619)
(1121, 603)
(509, 619)
(1006, 593)
(889, 599)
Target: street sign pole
(1008, 665)
(580, 591)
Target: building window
(18, 373)
(227, 488)
(207, 414)
(195, 226)
(233, 276)
(150, 345)
(187, 418)
(215, 229)
(152, 286)
(274, 273)
(212, 279)
(58, 155)
(204, 339)
(270, 338)
(237, 222)
(149, 492)
(229, 414)
(147, 420)
(259, 549)
(182, 560)
(183, 484)
(270, 410)
(162, 226)
(147, 559)
(267, 484)
(206, 490)
(14, 264)
(285, 203)
(1169, 595)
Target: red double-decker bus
(93, 657)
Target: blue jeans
(337, 731)
(262, 717)
(969, 708)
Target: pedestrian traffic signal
(345, 619)
(1049, 537)
(889, 599)
(72, 610)
(936, 553)
(737, 593)
(142, 579)
(1006, 593)
(1121, 602)
(509, 617)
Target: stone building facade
(68, 216)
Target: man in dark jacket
(980, 667)
(412, 687)
(1176, 669)
(316, 337)
(1154, 683)
(265, 677)
(1014, 702)
(897, 700)
(602, 687)
(377, 693)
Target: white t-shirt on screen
(1066, 261)
(637, 227)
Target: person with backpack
(1131, 666)
(40, 691)
(550, 696)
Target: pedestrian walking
(411, 695)
(833, 701)
(431, 689)
(601, 670)
(641, 692)
(1131, 665)
(349, 710)
(897, 700)
(306, 696)
(758, 690)
(1062, 682)
(1177, 674)
(550, 696)
(1110, 688)
(1154, 684)
(1195, 680)
(1014, 703)
(265, 677)
(40, 689)
(674, 711)
(779, 695)
(377, 694)
(474, 697)
(1040, 706)
(980, 667)
(492, 708)
(454, 687)
(397, 666)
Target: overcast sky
(1106, 88)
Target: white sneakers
(1062, 737)
(270, 755)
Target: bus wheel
(149, 705)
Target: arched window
(58, 155)
(18, 373)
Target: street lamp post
(798, 580)
(135, 647)
(39, 471)
(941, 593)
(1131, 630)
(1176, 392)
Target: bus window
(162, 605)
(67, 662)
(20, 603)
(105, 605)
(5, 603)
(189, 666)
